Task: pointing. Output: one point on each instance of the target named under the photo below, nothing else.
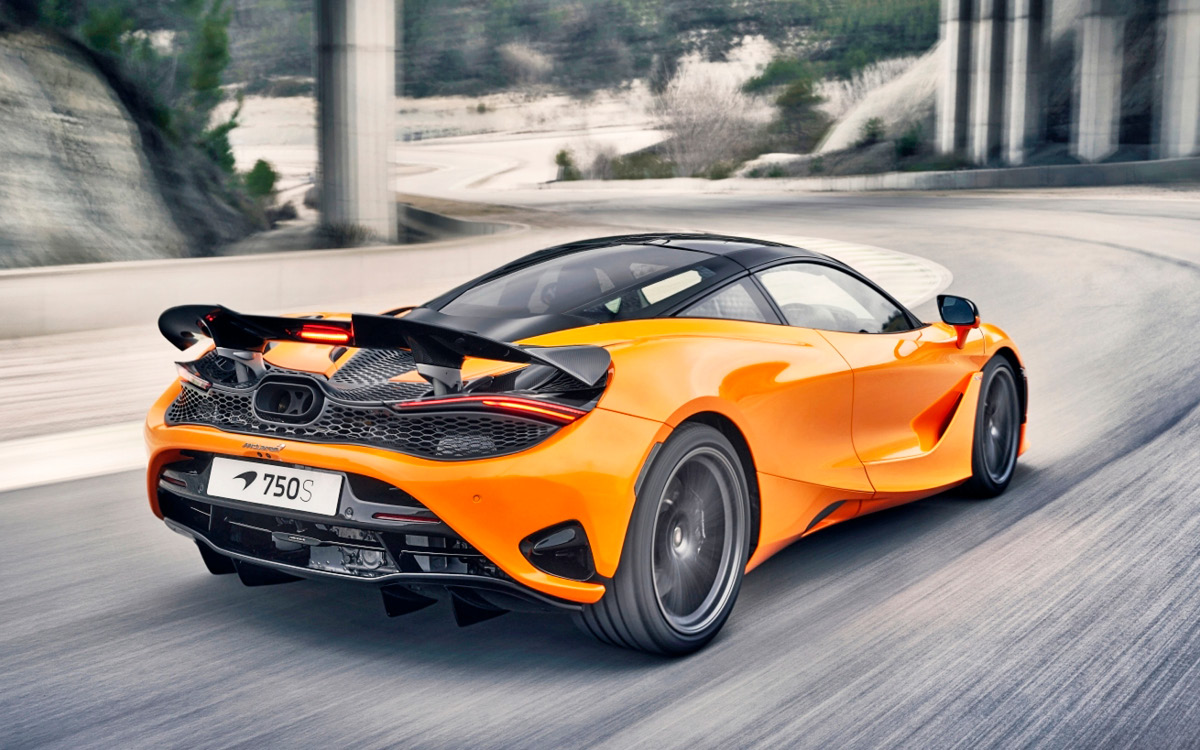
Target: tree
(798, 113)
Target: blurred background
(1041, 157)
(143, 129)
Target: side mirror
(959, 312)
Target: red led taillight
(527, 407)
(523, 406)
(320, 334)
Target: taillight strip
(553, 411)
(512, 404)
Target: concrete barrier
(1059, 175)
(440, 225)
(60, 299)
(1062, 175)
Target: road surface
(1064, 613)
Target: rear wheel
(997, 430)
(685, 551)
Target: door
(909, 379)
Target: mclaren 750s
(619, 428)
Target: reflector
(186, 374)
(402, 517)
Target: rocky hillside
(81, 180)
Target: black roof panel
(728, 257)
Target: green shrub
(642, 165)
(816, 165)
(343, 235)
(209, 56)
(261, 179)
(567, 170)
(722, 170)
(799, 117)
(778, 72)
(909, 143)
(799, 96)
(937, 163)
(871, 132)
(776, 170)
(860, 32)
(105, 26)
(215, 141)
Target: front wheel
(685, 551)
(997, 430)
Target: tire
(685, 551)
(997, 431)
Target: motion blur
(1041, 157)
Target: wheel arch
(1011, 357)
(733, 433)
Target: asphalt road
(1064, 613)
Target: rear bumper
(583, 473)
(417, 582)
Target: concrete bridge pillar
(356, 67)
(987, 80)
(1023, 94)
(1180, 115)
(1101, 58)
(955, 84)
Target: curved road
(1065, 613)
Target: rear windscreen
(599, 284)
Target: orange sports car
(619, 428)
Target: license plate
(276, 486)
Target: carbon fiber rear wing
(437, 348)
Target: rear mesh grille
(441, 436)
(365, 377)
(383, 392)
(367, 366)
(563, 383)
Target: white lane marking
(71, 455)
(113, 448)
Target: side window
(811, 295)
(738, 301)
(631, 301)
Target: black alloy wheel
(997, 430)
(685, 552)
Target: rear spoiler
(437, 348)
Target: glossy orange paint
(864, 420)
(493, 503)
